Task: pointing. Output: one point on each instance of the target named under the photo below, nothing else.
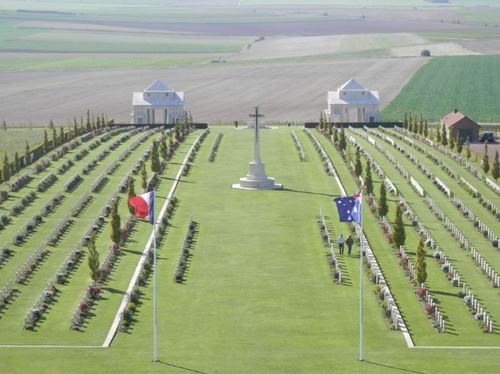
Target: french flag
(144, 206)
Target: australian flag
(349, 208)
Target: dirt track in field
(295, 92)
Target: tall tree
(4, 125)
(420, 265)
(383, 208)
(51, 125)
(17, 163)
(467, 150)
(115, 224)
(27, 154)
(444, 136)
(486, 158)
(438, 134)
(452, 142)
(93, 260)
(131, 193)
(342, 140)
(163, 148)
(46, 143)
(321, 121)
(368, 178)
(495, 172)
(399, 228)
(358, 167)
(144, 175)
(54, 137)
(426, 129)
(6, 168)
(155, 158)
(405, 121)
(460, 144)
(62, 135)
(88, 124)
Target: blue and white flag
(349, 208)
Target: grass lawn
(258, 294)
(14, 139)
(469, 83)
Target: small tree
(467, 150)
(452, 142)
(438, 134)
(495, 172)
(4, 125)
(17, 163)
(163, 148)
(368, 179)
(6, 168)
(54, 137)
(27, 154)
(383, 208)
(155, 158)
(426, 129)
(46, 143)
(144, 175)
(405, 121)
(420, 266)
(358, 167)
(486, 158)
(115, 224)
(460, 144)
(93, 260)
(342, 140)
(444, 136)
(335, 134)
(88, 124)
(399, 228)
(131, 193)
(425, 53)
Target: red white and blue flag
(349, 208)
(144, 206)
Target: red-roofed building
(457, 123)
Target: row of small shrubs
(89, 167)
(35, 313)
(59, 230)
(5, 253)
(99, 182)
(81, 154)
(71, 184)
(41, 166)
(46, 182)
(6, 294)
(65, 167)
(51, 205)
(20, 205)
(81, 204)
(69, 265)
(31, 264)
(82, 310)
(185, 253)
(215, 147)
(20, 182)
(4, 221)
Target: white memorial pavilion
(158, 104)
(353, 103)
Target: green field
(14, 139)
(258, 295)
(469, 83)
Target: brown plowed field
(295, 92)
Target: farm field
(214, 93)
(258, 294)
(469, 83)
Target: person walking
(349, 242)
(340, 242)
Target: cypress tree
(444, 136)
(321, 121)
(399, 228)
(495, 172)
(460, 145)
(405, 121)
(46, 144)
(54, 137)
(163, 148)
(438, 134)
(144, 176)
(467, 150)
(115, 224)
(420, 266)
(426, 129)
(368, 179)
(131, 193)
(383, 208)
(155, 158)
(486, 159)
(342, 140)
(335, 134)
(17, 163)
(358, 168)
(93, 260)
(6, 168)
(88, 124)
(27, 154)
(62, 135)
(452, 142)
(4, 125)
(103, 121)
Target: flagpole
(361, 355)
(155, 318)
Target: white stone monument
(256, 179)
